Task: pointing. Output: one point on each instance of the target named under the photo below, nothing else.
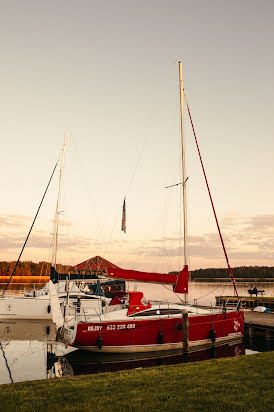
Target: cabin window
(157, 312)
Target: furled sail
(179, 282)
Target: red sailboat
(132, 324)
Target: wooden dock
(259, 330)
(247, 302)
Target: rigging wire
(211, 291)
(128, 189)
(101, 231)
(211, 200)
(14, 269)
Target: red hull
(156, 334)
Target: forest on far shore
(240, 272)
(29, 268)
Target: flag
(123, 228)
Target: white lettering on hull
(94, 328)
(122, 326)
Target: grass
(235, 384)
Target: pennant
(123, 228)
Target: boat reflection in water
(23, 346)
(82, 362)
(28, 351)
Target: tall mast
(184, 178)
(57, 211)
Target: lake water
(201, 292)
(28, 350)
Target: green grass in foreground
(236, 384)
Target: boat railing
(83, 309)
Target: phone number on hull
(112, 327)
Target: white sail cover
(57, 316)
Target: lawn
(243, 383)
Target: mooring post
(185, 332)
(268, 339)
(251, 334)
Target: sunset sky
(104, 73)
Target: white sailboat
(45, 304)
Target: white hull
(40, 308)
(45, 304)
(16, 308)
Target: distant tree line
(29, 268)
(250, 272)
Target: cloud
(11, 242)
(261, 223)
(65, 223)
(41, 240)
(14, 221)
(247, 240)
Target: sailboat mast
(57, 211)
(184, 178)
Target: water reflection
(22, 361)
(18, 289)
(24, 348)
(2, 347)
(83, 362)
(29, 360)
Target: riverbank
(241, 383)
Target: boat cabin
(134, 301)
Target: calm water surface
(203, 293)
(28, 350)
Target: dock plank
(259, 318)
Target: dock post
(185, 332)
(251, 334)
(268, 339)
